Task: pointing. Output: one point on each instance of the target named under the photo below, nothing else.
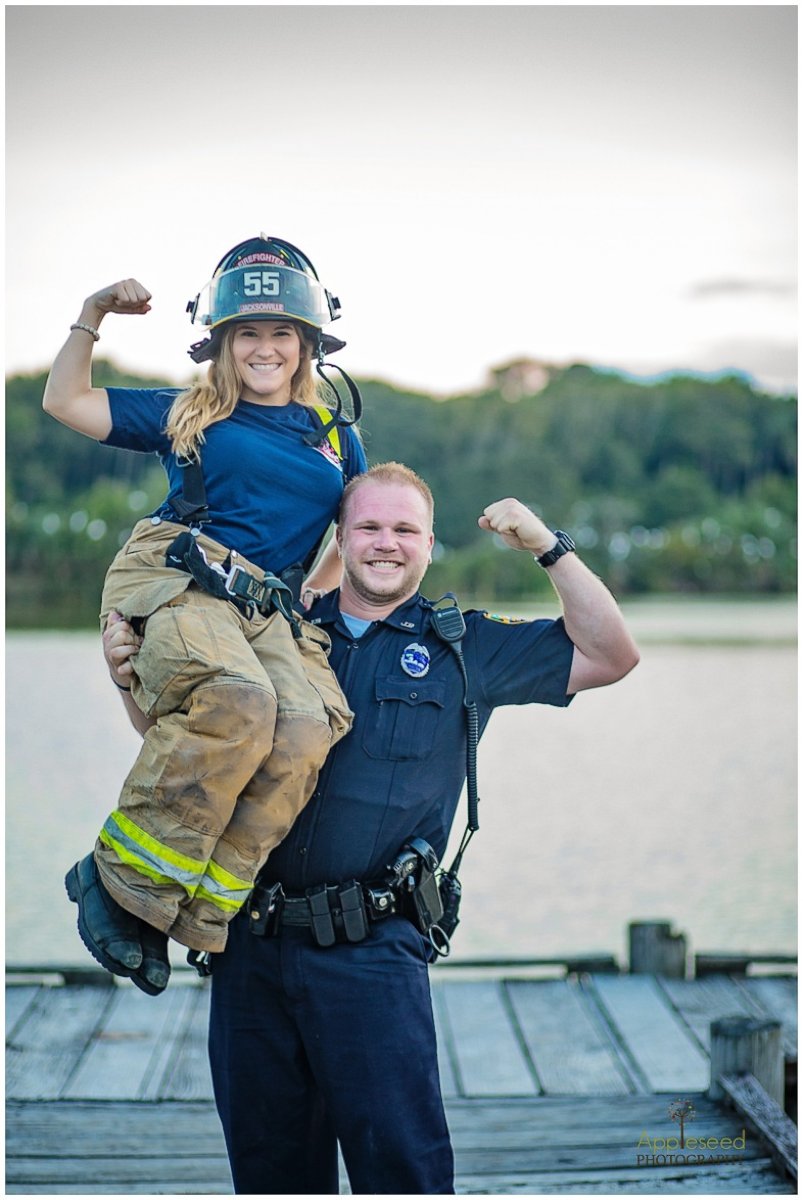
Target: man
(315, 1044)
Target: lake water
(671, 795)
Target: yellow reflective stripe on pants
(222, 883)
(160, 863)
(221, 902)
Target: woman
(245, 703)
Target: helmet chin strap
(316, 437)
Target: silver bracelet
(86, 329)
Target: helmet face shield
(262, 291)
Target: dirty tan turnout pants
(245, 716)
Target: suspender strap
(191, 507)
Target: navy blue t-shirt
(271, 496)
(398, 773)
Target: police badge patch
(415, 660)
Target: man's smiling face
(385, 538)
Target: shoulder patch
(329, 452)
(505, 620)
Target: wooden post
(750, 1045)
(656, 950)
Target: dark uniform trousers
(311, 1046)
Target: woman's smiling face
(267, 355)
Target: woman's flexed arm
(69, 394)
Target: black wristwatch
(565, 545)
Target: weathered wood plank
(165, 1175)
(130, 1129)
(52, 1040)
(779, 1133)
(126, 1057)
(701, 1001)
(183, 1172)
(170, 1047)
(210, 1187)
(500, 1156)
(565, 1043)
(490, 1060)
(187, 1075)
(564, 1158)
(80, 1128)
(654, 1036)
(130, 1125)
(449, 1086)
(546, 1127)
(758, 1178)
(18, 1000)
(777, 997)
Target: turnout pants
(245, 716)
(312, 1047)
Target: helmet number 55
(261, 283)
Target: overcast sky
(608, 184)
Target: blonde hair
(215, 398)
(389, 472)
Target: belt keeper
(265, 910)
(323, 929)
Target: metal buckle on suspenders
(265, 594)
(235, 583)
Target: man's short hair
(389, 472)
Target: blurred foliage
(684, 485)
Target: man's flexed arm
(604, 650)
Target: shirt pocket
(405, 719)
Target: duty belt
(332, 912)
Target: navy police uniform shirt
(399, 772)
(271, 496)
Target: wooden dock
(551, 1085)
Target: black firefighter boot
(110, 934)
(153, 974)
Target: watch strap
(564, 545)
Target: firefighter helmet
(263, 279)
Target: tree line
(681, 485)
